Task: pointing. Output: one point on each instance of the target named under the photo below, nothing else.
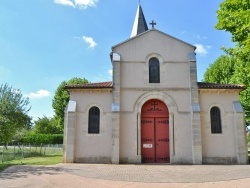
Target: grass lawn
(39, 160)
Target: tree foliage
(234, 17)
(61, 99)
(242, 76)
(221, 70)
(46, 125)
(13, 112)
(230, 70)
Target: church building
(154, 110)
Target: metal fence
(18, 151)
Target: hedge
(43, 138)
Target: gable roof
(152, 30)
(140, 24)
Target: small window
(154, 70)
(215, 120)
(94, 120)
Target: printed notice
(147, 145)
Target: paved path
(100, 175)
(160, 173)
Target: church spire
(140, 24)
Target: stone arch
(94, 104)
(158, 56)
(168, 100)
(172, 107)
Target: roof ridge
(153, 30)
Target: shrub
(43, 138)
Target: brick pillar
(196, 122)
(116, 109)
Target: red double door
(155, 133)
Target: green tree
(230, 70)
(46, 125)
(13, 112)
(234, 17)
(242, 76)
(61, 99)
(221, 70)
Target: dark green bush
(42, 138)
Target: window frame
(215, 119)
(94, 113)
(154, 63)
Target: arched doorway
(155, 132)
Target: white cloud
(201, 49)
(82, 4)
(39, 94)
(86, 3)
(65, 2)
(110, 72)
(201, 37)
(90, 41)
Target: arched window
(215, 120)
(154, 70)
(94, 120)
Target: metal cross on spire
(153, 24)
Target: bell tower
(140, 24)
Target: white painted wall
(221, 147)
(93, 147)
(174, 83)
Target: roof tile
(201, 85)
(206, 85)
(98, 85)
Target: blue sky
(44, 42)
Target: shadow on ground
(23, 171)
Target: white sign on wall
(115, 107)
(147, 145)
(71, 106)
